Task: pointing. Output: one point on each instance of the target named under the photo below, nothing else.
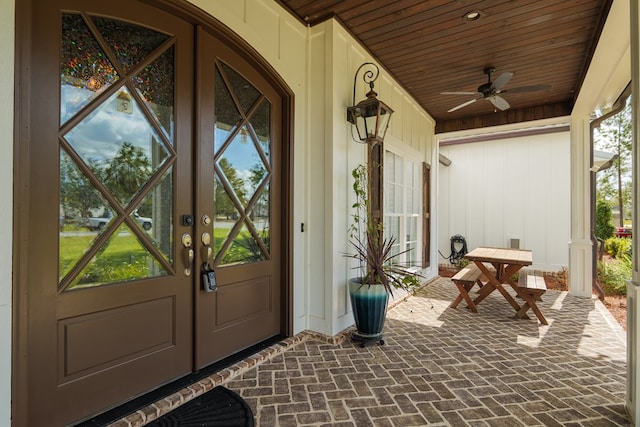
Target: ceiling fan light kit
(491, 91)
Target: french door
(238, 160)
(128, 205)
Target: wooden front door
(119, 192)
(239, 198)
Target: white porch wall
(7, 43)
(496, 190)
(334, 58)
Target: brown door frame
(22, 210)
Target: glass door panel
(117, 154)
(242, 171)
(85, 71)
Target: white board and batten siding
(504, 188)
(334, 58)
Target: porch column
(580, 261)
(633, 286)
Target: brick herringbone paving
(445, 366)
(439, 366)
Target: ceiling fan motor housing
(485, 88)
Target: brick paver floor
(441, 366)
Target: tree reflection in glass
(242, 172)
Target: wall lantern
(370, 116)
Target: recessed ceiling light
(473, 15)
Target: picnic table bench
(531, 284)
(464, 280)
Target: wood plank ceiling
(430, 48)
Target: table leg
(522, 313)
(494, 283)
(464, 293)
(508, 272)
(489, 287)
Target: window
(402, 204)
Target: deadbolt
(206, 220)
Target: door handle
(206, 242)
(187, 242)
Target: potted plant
(378, 272)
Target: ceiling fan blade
(501, 81)
(532, 88)
(499, 102)
(458, 93)
(464, 104)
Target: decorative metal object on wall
(370, 117)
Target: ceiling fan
(491, 91)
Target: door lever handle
(190, 257)
(187, 242)
(206, 242)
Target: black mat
(218, 407)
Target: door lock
(187, 242)
(187, 220)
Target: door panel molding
(82, 353)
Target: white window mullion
(402, 205)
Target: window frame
(409, 190)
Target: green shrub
(604, 229)
(462, 263)
(107, 271)
(618, 247)
(613, 275)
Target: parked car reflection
(624, 232)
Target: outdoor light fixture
(370, 116)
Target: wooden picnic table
(506, 263)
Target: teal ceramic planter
(369, 305)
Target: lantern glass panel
(384, 123)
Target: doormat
(218, 407)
